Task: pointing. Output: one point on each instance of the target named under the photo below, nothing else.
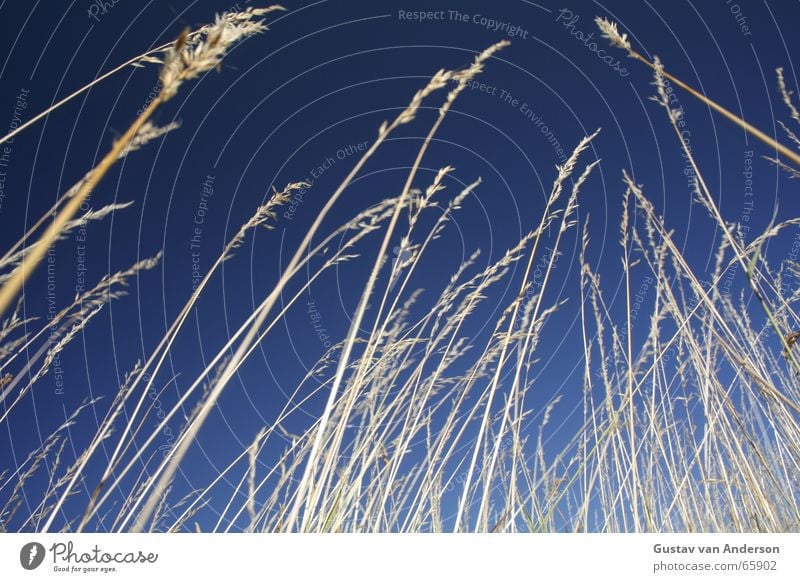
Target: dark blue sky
(298, 102)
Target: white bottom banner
(371, 557)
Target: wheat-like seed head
(189, 57)
(786, 95)
(464, 76)
(609, 31)
(147, 133)
(662, 96)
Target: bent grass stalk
(184, 61)
(609, 30)
(146, 57)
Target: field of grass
(690, 407)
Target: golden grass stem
(12, 287)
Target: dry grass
(689, 413)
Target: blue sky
(298, 103)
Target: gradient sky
(297, 103)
